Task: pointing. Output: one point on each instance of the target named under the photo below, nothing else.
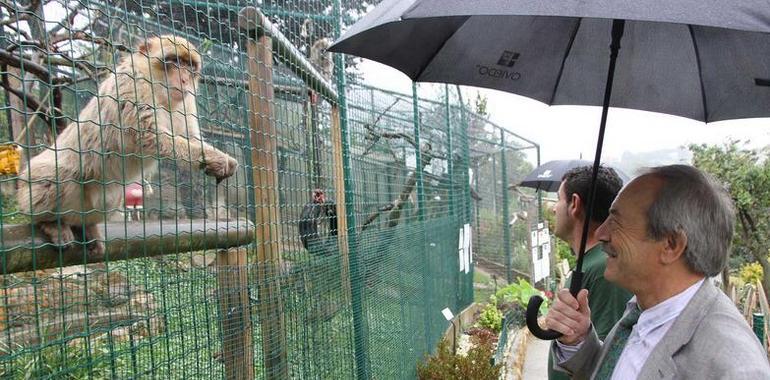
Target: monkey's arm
(155, 138)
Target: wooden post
(264, 153)
(233, 290)
(339, 189)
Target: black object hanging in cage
(318, 227)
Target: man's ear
(575, 206)
(674, 246)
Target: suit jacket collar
(660, 364)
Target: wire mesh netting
(503, 213)
(193, 189)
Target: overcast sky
(566, 132)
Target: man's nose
(602, 232)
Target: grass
(189, 345)
(483, 286)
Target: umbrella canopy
(547, 177)
(692, 58)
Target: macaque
(315, 212)
(143, 113)
(322, 58)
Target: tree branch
(32, 67)
(395, 207)
(84, 36)
(39, 107)
(73, 12)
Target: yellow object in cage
(10, 158)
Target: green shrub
(491, 317)
(477, 364)
(520, 293)
(751, 273)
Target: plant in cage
(490, 316)
(476, 364)
(70, 358)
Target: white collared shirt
(653, 324)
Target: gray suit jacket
(709, 340)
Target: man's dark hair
(608, 184)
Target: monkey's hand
(219, 165)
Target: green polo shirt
(606, 300)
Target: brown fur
(119, 138)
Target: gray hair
(693, 203)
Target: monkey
(312, 214)
(322, 58)
(142, 113)
(306, 30)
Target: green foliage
(491, 317)
(75, 360)
(751, 273)
(564, 252)
(520, 293)
(562, 249)
(481, 105)
(482, 278)
(746, 174)
(477, 364)
(10, 211)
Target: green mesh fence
(503, 213)
(328, 253)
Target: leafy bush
(563, 251)
(520, 293)
(477, 364)
(751, 273)
(491, 317)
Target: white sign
(468, 247)
(541, 251)
(447, 314)
(460, 251)
(465, 247)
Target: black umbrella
(547, 177)
(702, 59)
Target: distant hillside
(631, 162)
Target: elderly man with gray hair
(668, 231)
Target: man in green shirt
(607, 301)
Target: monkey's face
(175, 63)
(181, 76)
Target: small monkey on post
(144, 113)
(322, 58)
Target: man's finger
(567, 298)
(560, 325)
(582, 299)
(558, 319)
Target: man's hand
(570, 316)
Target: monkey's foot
(93, 236)
(220, 166)
(60, 235)
(96, 249)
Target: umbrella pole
(577, 275)
(617, 34)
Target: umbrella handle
(533, 308)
